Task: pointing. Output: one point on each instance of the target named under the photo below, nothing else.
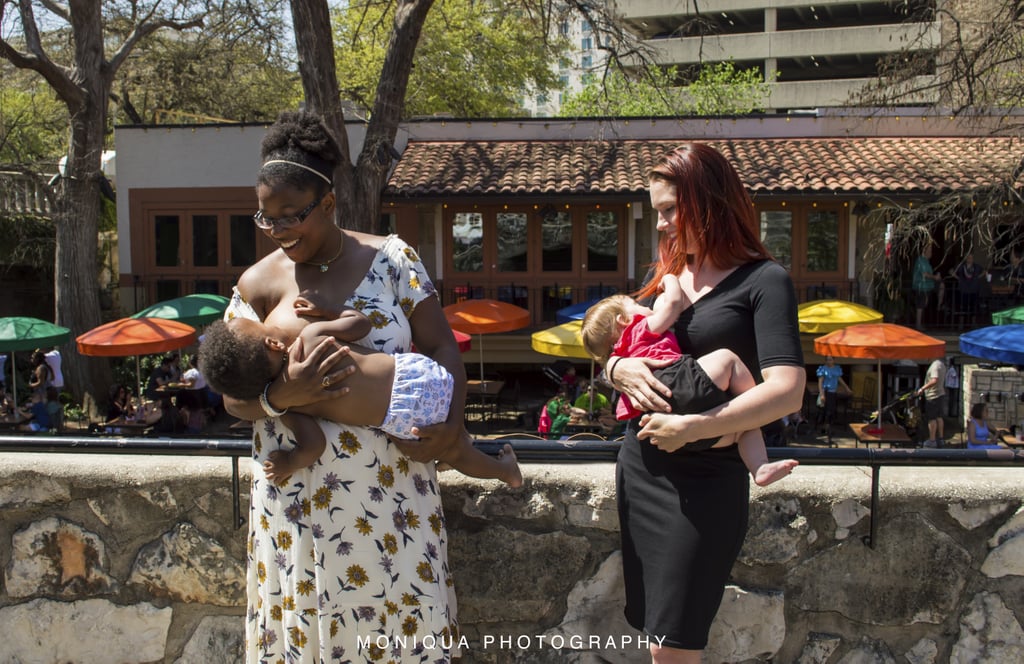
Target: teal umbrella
(27, 333)
(195, 310)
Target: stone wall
(135, 559)
(1001, 389)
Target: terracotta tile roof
(767, 166)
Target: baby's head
(603, 325)
(239, 357)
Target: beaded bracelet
(265, 404)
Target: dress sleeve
(411, 282)
(775, 317)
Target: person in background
(53, 359)
(683, 514)
(934, 392)
(590, 401)
(119, 408)
(924, 282)
(42, 375)
(570, 383)
(969, 279)
(830, 386)
(6, 402)
(196, 389)
(40, 411)
(1014, 274)
(979, 435)
(3, 369)
(160, 377)
(559, 411)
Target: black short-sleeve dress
(683, 514)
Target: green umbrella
(195, 310)
(1008, 316)
(27, 333)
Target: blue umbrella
(574, 311)
(999, 343)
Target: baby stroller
(903, 410)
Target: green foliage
(206, 78)
(474, 59)
(33, 123)
(653, 92)
(722, 90)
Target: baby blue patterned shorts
(421, 395)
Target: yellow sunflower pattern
(339, 560)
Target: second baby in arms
(393, 393)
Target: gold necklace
(327, 264)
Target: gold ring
(326, 382)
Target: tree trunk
(314, 44)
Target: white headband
(303, 166)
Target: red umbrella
(135, 336)
(461, 338)
(880, 341)
(484, 316)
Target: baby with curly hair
(239, 357)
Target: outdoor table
(484, 394)
(1011, 440)
(12, 423)
(583, 426)
(869, 432)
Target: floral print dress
(348, 561)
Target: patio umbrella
(574, 311)
(485, 316)
(821, 316)
(135, 336)
(195, 310)
(461, 338)
(880, 341)
(27, 333)
(1000, 343)
(1008, 316)
(562, 340)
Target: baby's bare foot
(279, 467)
(775, 471)
(513, 475)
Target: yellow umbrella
(823, 316)
(561, 340)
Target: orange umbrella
(135, 336)
(484, 316)
(880, 341)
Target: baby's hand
(303, 306)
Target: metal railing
(531, 450)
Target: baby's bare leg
(309, 445)
(727, 371)
(472, 462)
(755, 457)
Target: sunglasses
(266, 223)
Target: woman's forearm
(780, 394)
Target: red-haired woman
(684, 512)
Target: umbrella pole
(481, 360)
(14, 383)
(138, 381)
(879, 395)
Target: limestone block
(218, 639)
(914, 573)
(868, 652)
(189, 566)
(133, 506)
(818, 648)
(1013, 527)
(1005, 559)
(925, 651)
(84, 632)
(505, 576)
(749, 625)
(776, 531)
(55, 557)
(30, 489)
(847, 513)
(592, 510)
(972, 517)
(989, 633)
(525, 504)
(595, 607)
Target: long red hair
(713, 209)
